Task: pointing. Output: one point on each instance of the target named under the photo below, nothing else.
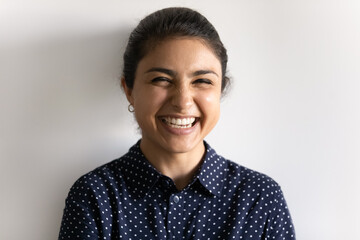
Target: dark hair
(165, 23)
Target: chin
(182, 147)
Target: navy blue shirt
(129, 199)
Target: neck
(180, 167)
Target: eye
(161, 81)
(203, 81)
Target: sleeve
(281, 226)
(78, 220)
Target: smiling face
(176, 95)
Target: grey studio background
(293, 111)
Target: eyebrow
(203, 72)
(173, 73)
(162, 70)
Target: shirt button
(176, 199)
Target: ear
(128, 91)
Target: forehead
(182, 53)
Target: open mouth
(179, 122)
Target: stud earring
(131, 108)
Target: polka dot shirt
(129, 199)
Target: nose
(182, 98)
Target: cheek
(148, 101)
(210, 105)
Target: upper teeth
(180, 121)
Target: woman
(172, 184)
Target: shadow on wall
(65, 115)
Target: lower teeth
(179, 126)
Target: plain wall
(293, 112)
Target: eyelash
(202, 80)
(160, 79)
(164, 79)
(161, 82)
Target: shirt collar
(141, 176)
(212, 172)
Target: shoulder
(238, 178)
(115, 175)
(99, 179)
(253, 187)
(249, 181)
(257, 194)
(248, 174)
(101, 173)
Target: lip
(177, 116)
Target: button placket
(174, 214)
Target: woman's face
(176, 95)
